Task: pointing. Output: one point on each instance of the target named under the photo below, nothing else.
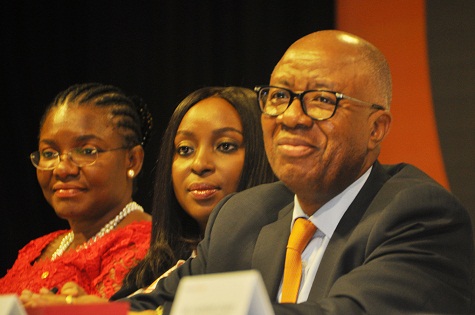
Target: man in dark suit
(389, 239)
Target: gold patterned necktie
(301, 234)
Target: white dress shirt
(326, 220)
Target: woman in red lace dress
(212, 147)
(90, 151)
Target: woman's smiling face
(92, 190)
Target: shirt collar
(329, 215)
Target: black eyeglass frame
(339, 96)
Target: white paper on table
(230, 293)
(11, 305)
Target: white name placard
(230, 293)
(11, 305)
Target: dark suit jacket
(404, 246)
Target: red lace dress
(99, 269)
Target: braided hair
(129, 114)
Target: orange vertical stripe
(398, 28)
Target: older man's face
(318, 159)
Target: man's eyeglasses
(317, 104)
(48, 159)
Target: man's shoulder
(272, 192)
(407, 175)
(260, 198)
(407, 181)
(277, 187)
(243, 214)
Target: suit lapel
(331, 264)
(269, 254)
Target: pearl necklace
(69, 238)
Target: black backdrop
(160, 50)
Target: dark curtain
(159, 50)
(451, 43)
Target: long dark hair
(175, 233)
